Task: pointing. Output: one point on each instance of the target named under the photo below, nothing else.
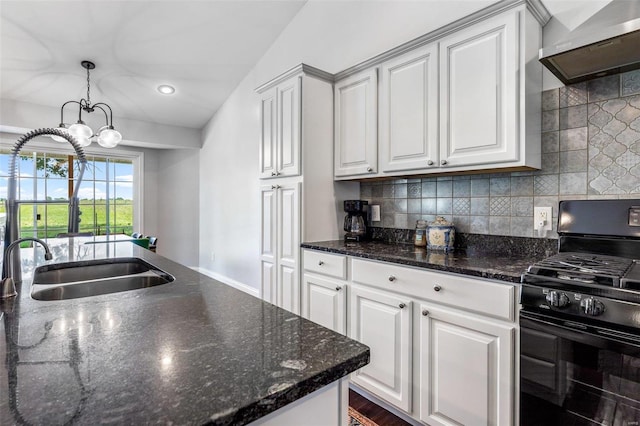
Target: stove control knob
(557, 299)
(591, 306)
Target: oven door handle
(584, 333)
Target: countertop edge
(494, 275)
(272, 403)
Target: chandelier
(106, 135)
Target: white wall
(177, 206)
(332, 36)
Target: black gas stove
(580, 320)
(595, 274)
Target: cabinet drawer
(333, 265)
(494, 299)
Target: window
(106, 192)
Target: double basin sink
(72, 280)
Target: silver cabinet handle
(273, 187)
(338, 288)
(437, 288)
(444, 162)
(425, 313)
(273, 173)
(429, 163)
(392, 278)
(369, 169)
(402, 305)
(320, 263)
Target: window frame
(44, 144)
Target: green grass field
(93, 218)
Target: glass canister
(420, 237)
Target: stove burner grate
(584, 268)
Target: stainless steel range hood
(607, 43)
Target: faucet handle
(48, 256)
(8, 288)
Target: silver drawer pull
(392, 278)
(437, 288)
(320, 263)
(425, 313)
(429, 163)
(369, 169)
(444, 162)
(402, 305)
(338, 288)
(273, 173)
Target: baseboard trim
(230, 282)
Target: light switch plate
(375, 213)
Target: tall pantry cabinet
(299, 199)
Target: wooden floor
(374, 412)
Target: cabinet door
(268, 242)
(288, 137)
(479, 93)
(409, 111)
(466, 369)
(382, 321)
(323, 302)
(268, 134)
(356, 134)
(288, 254)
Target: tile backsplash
(590, 150)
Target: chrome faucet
(8, 286)
(13, 204)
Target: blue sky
(94, 180)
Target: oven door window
(576, 375)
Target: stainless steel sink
(72, 280)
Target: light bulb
(109, 138)
(63, 129)
(81, 131)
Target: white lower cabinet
(465, 368)
(323, 302)
(443, 345)
(382, 321)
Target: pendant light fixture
(106, 135)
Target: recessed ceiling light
(165, 89)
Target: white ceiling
(203, 48)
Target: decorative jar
(441, 235)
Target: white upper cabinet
(356, 134)
(268, 133)
(479, 94)
(408, 119)
(465, 97)
(280, 130)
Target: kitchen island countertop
(193, 351)
(497, 266)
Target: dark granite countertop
(498, 266)
(193, 351)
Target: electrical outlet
(542, 220)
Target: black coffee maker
(355, 222)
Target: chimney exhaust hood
(607, 43)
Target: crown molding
(298, 69)
(536, 8)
